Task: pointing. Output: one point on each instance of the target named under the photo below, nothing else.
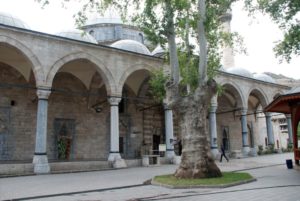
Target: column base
(115, 160)
(41, 165)
(245, 151)
(253, 152)
(215, 152)
(176, 160)
(170, 154)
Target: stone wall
(17, 115)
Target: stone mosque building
(71, 102)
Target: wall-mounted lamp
(98, 109)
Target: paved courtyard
(274, 182)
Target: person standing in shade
(223, 154)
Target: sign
(162, 147)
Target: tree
(161, 21)
(285, 13)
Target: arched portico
(132, 69)
(100, 67)
(30, 61)
(229, 109)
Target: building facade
(82, 100)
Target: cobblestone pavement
(274, 182)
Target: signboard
(162, 147)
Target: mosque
(74, 102)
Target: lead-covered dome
(240, 71)
(103, 20)
(11, 20)
(264, 77)
(294, 90)
(77, 35)
(158, 51)
(131, 45)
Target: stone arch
(276, 94)
(106, 75)
(130, 71)
(260, 95)
(32, 58)
(238, 93)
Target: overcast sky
(259, 34)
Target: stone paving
(274, 182)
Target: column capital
(244, 110)
(114, 101)
(167, 107)
(268, 114)
(213, 108)
(288, 115)
(214, 100)
(43, 93)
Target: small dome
(103, 20)
(78, 35)
(240, 71)
(158, 51)
(131, 45)
(293, 90)
(11, 20)
(264, 77)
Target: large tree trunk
(196, 159)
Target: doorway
(225, 138)
(64, 138)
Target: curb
(203, 186)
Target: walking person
(223, 154)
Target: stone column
(290, 129)
(169, 133)
(213, 127)
(40, 159)
(269, 129)
(246, 148)
(114, 155)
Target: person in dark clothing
(179, 147)
(223, 154)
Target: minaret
(227, 60)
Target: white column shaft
(169, 133)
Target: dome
(77, 35)
(11, 20)
(293, 90)
(264, 77)
(103, 20)
(158, 51)
(131, 45)
(240, 71)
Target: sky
(259, 34)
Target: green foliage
(286, 14)
(220, 89)
(227, 178)
(62, 149)
(157, 84)
(188, 65)
(260, 150)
